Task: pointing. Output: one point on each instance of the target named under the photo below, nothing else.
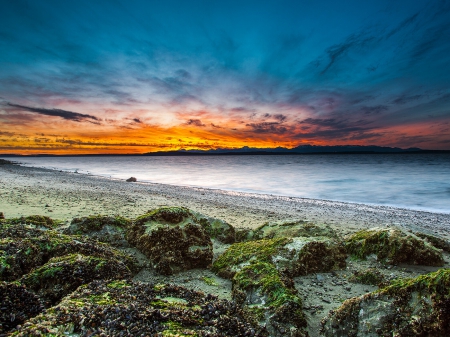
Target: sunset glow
(135, 77)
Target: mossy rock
(126, 308)
(172, 240)
(34, 220)
(244, 235)
(216, 228)
(62, 275)
(23, 248)
(393, 246)
(408, 307)
(271, 298)
(370, 276)
(435, 241)
(17, 305)
(107, 229)
(292, 229)
(297, 256)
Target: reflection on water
(408, 180)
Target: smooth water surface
(416, 181)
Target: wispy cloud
(69, 115)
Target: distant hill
(302, 149)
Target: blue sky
(260, 73)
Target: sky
(140, 76)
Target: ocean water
(414, 181)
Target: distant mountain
(302, 149)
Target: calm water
(411, 181)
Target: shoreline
(28, 190)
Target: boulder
(216, 228)
(131, 180)
(393, 246)
(270, 298)
(108, 229)
(17, 305)
(408, 307)
(435, 241)
(297, 256)
(370, 276)
(292, 229)
(39, 221)
(2, 216)
(172, 239)
(126, 308)
(62, 275)
(23, 248)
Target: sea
(412, 181)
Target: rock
(62, 275)
(370, 276)
(244, 234)
(39, 221)
(393, 246)
(108, 229)
(23, 248)
(262, 271)
(297, 256)
(435, 241)
(131, 180)
(172, 239)
(16, 306)
(126, 308)
(292, 229)
(270, 298)
(216, 228)
(408, 307)
(2, 216)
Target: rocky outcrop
(39, 221)
(262, 271)
(293, 229)
(270, 298)
(296, 256)
(393, 246)
(172, 239)
(62, 275)
(124, 308)
(107, 229)
(24, 248)
(411, 307)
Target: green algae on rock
(17, 305)
(126, 308)
(393, 246)
(23, 248)
(107, 229)
(270, 298)
(298, 256)
(216, 228)
(408, 307)
(62, 275)
(435, 241)
(370, 276)
(36, 220)
(292, 229)
(172, 240)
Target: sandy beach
(63, 195)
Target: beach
(64, 195)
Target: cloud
(338, 50)
(268, 127)
(69, 115)
(194, 122)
